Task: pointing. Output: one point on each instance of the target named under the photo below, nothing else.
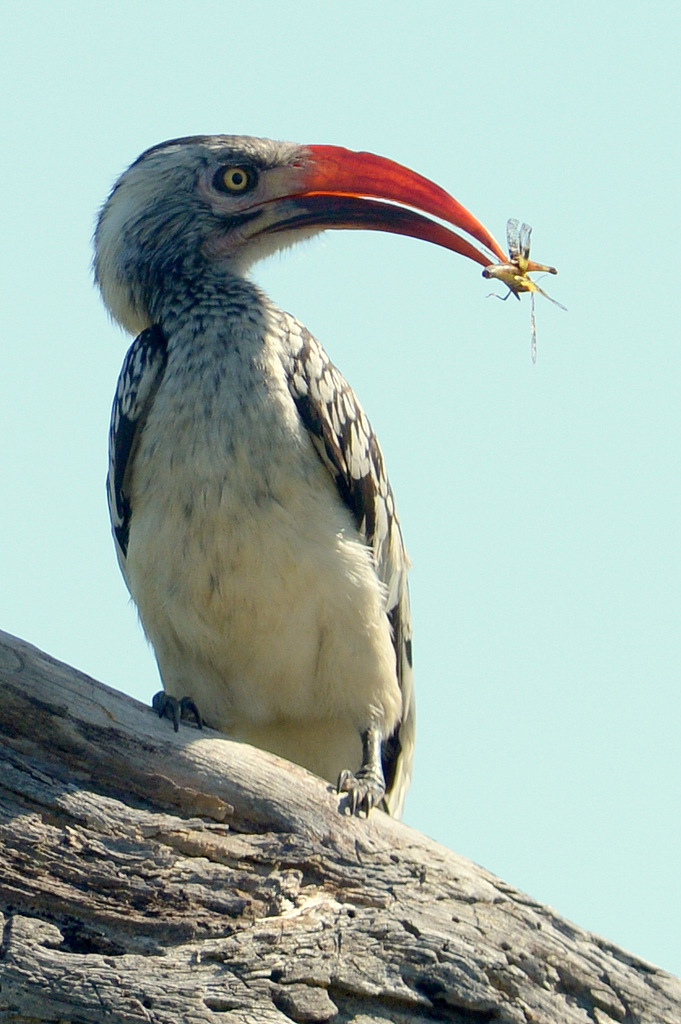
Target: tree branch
(161, 877)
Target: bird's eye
(235, 179)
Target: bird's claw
(365, 790)
(176, 710)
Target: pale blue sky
(541, 505)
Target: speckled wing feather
(348, 447)
(138, 382)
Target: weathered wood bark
(148, 876)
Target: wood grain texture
(161, 877)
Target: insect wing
(524, 240)
(513, 238)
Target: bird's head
(214, 205)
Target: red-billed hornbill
(253, 518)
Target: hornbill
(253, 518)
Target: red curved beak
(340, 189)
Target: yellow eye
(235, 179)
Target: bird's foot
(365, 790)
(176, 710)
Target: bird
(253, 519)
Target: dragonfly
(514, 274)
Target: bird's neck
(206, 302)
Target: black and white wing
(348, 447)
(138, 382)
